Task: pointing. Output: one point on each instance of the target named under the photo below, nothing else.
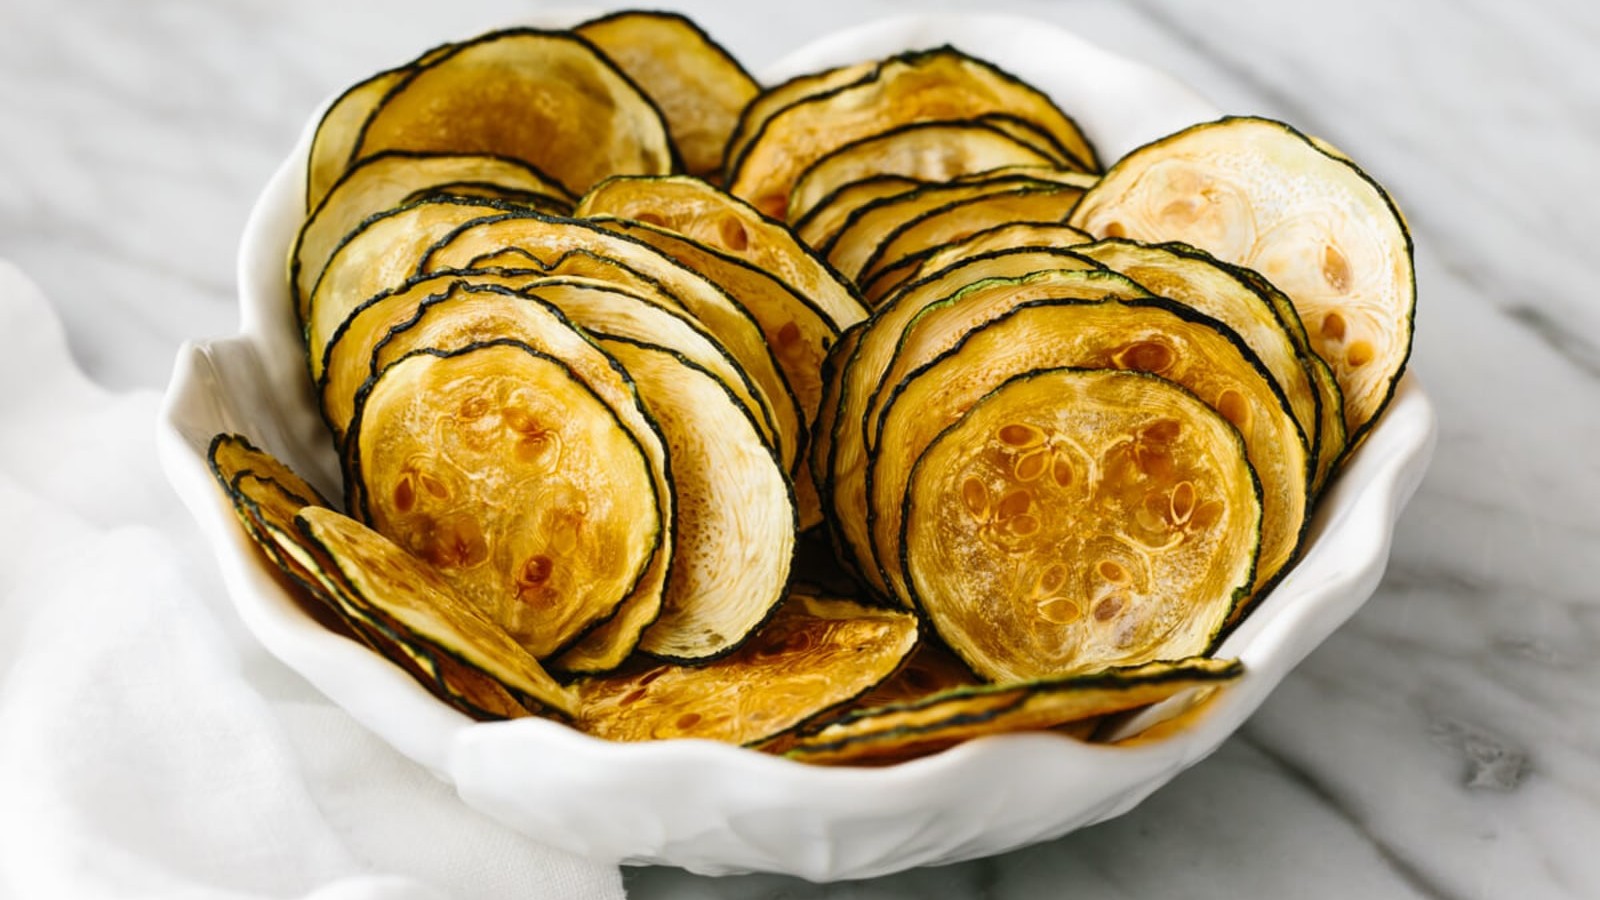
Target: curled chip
(1078, 519)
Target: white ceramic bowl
(712, 808)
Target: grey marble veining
(1444, 744)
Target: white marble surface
(1445, 743)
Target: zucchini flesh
(1259, 194)
(699, 88)
(932, 84)
(1152, 335)
(578, 262)
(547, 237)
(1013, 236)
(898, 732)
(1036, 137)
(545, 97)
(814, 655)
(379, 256)
(501, 469)
(231, 455)
(924, 151)
(1193, 278)
(774, 99)
(411, 604)
(736, 531)
(963, 218)
(1074, 520)
(722, 221)
(862, 372)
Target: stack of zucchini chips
(603, 332)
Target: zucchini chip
(394, 179)
(1195, 279)
(1036, 137)
(924, 151)
(548, 237)
(500, 468)
(930, 84)
(853, 244)
(1077, 519)
(814, 655)
(861, 376)
(898, 732)
(770, 101)
(409, 603)
(963, 218)
(736, 532)
(380, 256)
(548, 98)
(231, 455)
(1152, 335)
(822, 222)
(722, 221)
(1013, 236)
(698, 86)
(579, 263)
(1258, 193)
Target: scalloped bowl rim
(713, 808)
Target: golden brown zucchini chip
(547, 237)
(340, 128)
(717, 219)
(231, 455)
(962, 218)
(1258, 193)
(579, 263)
(736, 534)
(924, 151)
(498, 466)
(409, 603)
(1152, 335)
(861, 374)
(698, 86)
(393, 179)
(545, 97)
(778, 97)
(381, 255)
(929, 84)
(897, 732)
(1078, 519)
(822, 222)
(814, 655)
(1197, 280)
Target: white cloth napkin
(148, 747)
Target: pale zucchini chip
(547, 237)
(962, 218)
(1258, 193)
(929, 84)
(411, 604)
(736, 531)
(394, 179)
(815, 654)
(898, 732)
(545, 97)
(861, 376)
(1075, 519)
(477, 314)
(720, 220)
(823, 221)
(380, 256)
(1195, 279)
(1152, 335)
(1014, 236)
(770, 101)
(512, 478)
(925, 151)
(699, 87)
(854, 244)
